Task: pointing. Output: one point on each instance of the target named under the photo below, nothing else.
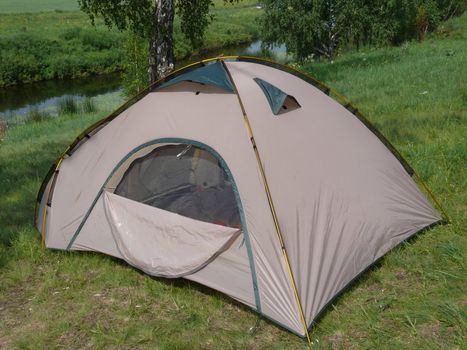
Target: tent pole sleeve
(44, 217)
(433, 198)
(271, 206)
(43, 226)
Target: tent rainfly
(240, 174)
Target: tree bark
(161, 55)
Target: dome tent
(242, 175)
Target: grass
(68, 106)
(35, 115)
(413, 299)
(63, 44)
(88, 105)
(21, 6)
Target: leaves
(322, 27)
(133, 15)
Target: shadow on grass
(180, 284)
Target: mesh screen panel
(183, 179)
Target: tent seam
(271, 205)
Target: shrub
(451, 8)
(99, 39)
(70, 33)
(135, 76)
(30, 58)
(428, 17)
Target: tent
(240, 174)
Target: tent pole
(271, 206)
(43, 226)
(44, 217)
(433, 198)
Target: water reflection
(17, 101)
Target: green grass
(21, 6)
(64, 44)
(413, 299)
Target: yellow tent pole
(44, 216)
(43, 226)
(271, 206)
(344, 101)
(433, 198)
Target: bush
(30, 58)
(99, 39)
(451, 8)
(22, 58)
(135, 77)
(70, 33)
(427, 19)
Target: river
(17, 102)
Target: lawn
(413, 299)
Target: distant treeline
(323, 27)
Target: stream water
(17, 102)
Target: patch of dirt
(430, 329)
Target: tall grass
(68, 106)
(88, 105)
(36, 115)
(3, 128)
(413, 299)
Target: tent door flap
(163, 243)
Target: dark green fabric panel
(276, 97)
(211, 74)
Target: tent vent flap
(279, 101)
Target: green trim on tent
(275, 96)
(234, 187)
(182, 71)
(205, 63)
(212, 74)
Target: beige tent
(242, 175)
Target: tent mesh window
(183, 179)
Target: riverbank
(64, 45)
(413, 299)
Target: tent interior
(180, 178)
